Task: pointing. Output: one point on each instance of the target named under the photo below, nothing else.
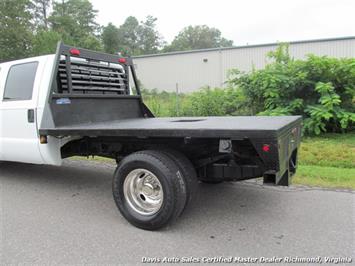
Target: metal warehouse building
(191, 70)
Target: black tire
(188, 173)
(170, 178)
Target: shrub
(163, 103)
(319, 88)
(204, 102)
(214, 102)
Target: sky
(243, 21)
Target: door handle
(31, 116)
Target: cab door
(18, 130)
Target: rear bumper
(230, 172)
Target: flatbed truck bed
(200, 127)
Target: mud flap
(278, 179)
(285, 179)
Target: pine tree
(41, 13)
(15, 29)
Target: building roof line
(245, 46)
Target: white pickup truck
(80, 103)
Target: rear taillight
(122, 60)
(74, 51)
(266, 147)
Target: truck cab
(23, 91)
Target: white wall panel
(190, 72)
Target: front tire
(149, 189)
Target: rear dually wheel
(149, 189)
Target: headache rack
(91, 87)
(85, 72)
(91, 77)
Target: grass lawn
(327, 161)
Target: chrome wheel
(143, 192)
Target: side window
(19, 82)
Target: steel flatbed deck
(202, 127)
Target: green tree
(150, 41)
(135, 38)
(15, 29)
(75, 21)
(128, 37)
(45, 42)
(41, 13)
(198, 37)
(110, 39)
